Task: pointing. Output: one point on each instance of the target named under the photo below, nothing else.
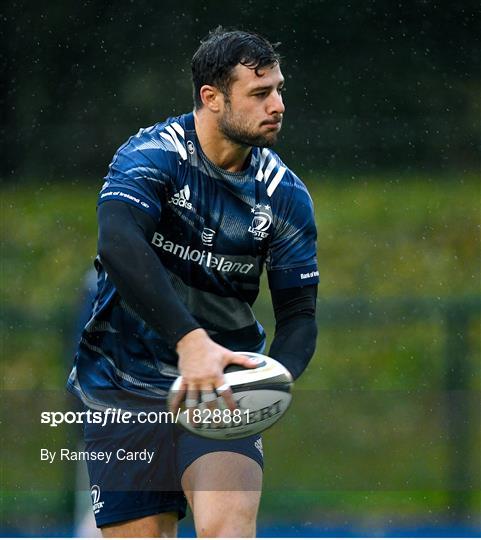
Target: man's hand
(201, 364)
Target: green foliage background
(366, 435)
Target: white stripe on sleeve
(275, 181)
(179, 129)
(168, 138)
(264, 155)
(182, 151)
(270, 168)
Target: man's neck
(221, 151)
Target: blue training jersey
(216, 230)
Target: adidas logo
(182, 198)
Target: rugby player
(191, 211)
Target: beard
(236, 129)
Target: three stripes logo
(269, 171)
(175, 135)
(182, 198)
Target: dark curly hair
(219, 53)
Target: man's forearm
(294, 343)
(296, 330)
(137, 272)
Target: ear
(211, 97)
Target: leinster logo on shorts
(97, 503)
(261, 221)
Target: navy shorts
(135, 469)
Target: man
(190, 211)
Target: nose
(275, 104)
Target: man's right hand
(201, 365)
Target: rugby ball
(262, 394)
